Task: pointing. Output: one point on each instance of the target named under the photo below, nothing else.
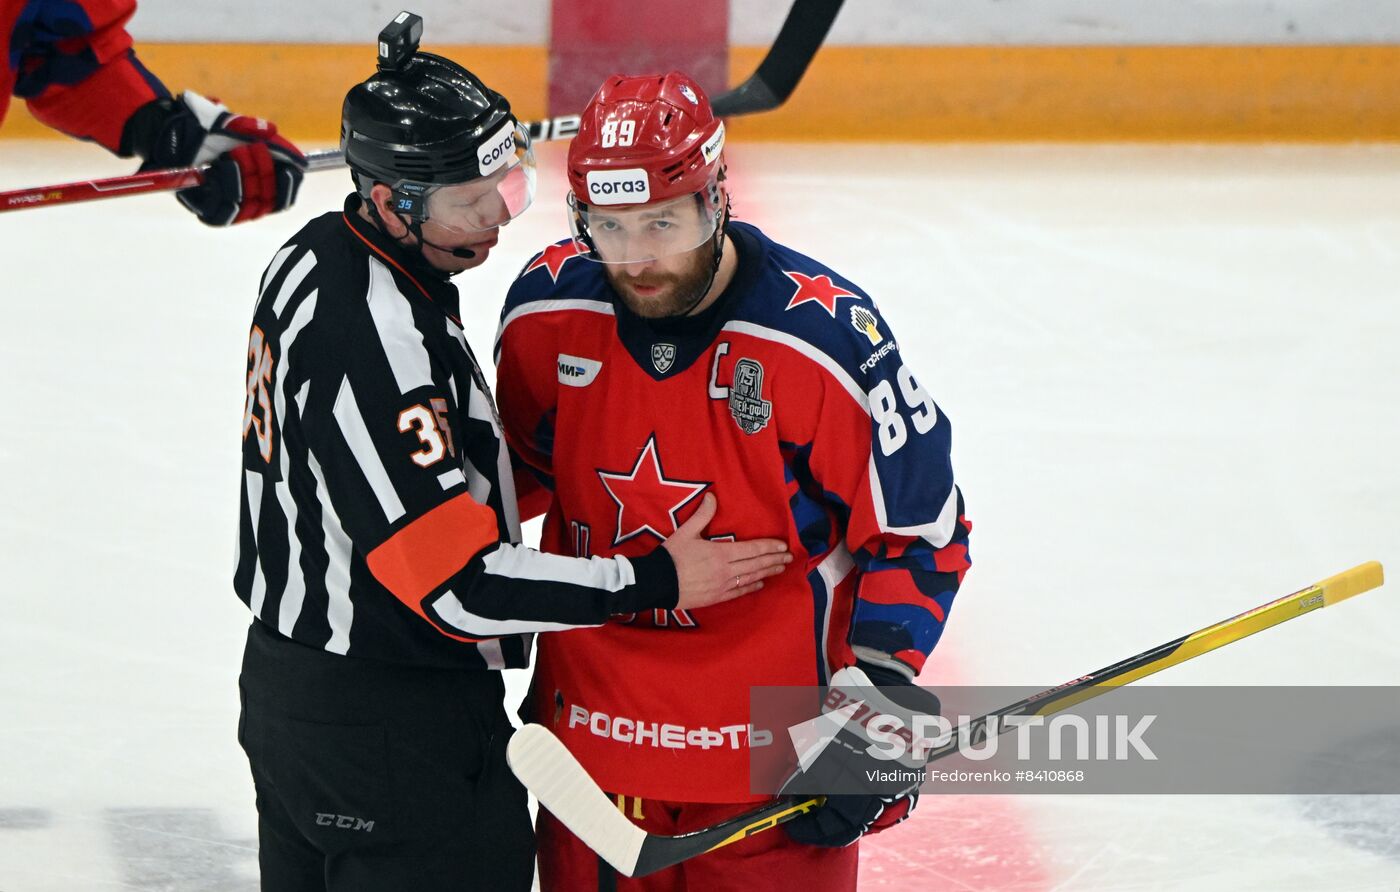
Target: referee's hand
(712, 572)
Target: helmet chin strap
(718, 244)
(416, 229)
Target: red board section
(589, 41)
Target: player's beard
(678, 291)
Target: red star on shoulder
(648, 502)
(555, 256)
(819, 290)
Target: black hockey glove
(253, 170)
(846, 817)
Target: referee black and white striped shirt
(379, 516)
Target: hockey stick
(802, 34)
(803, 31)
(562, 785)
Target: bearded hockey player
(667, 352)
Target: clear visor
(486, 202)
(640, 233)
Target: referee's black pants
(374, 777)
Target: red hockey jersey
(790, 401)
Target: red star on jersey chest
(647, 500)
(817, 289)
(555, 256)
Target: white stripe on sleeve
(938, 533)
(273, 268)
(518, 562)
(253, 480)
(340, 611)
(490, 651)
(834, 568)
(294, 595)
(294, 278)
(352, 428)
(400, 338)
(450, 609)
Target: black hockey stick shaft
(802, 34)
(658, 852)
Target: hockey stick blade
(802, 34)
(547, 768)
(561, 784)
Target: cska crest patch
(663, 356)
(746, 403)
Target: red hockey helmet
(651, 140)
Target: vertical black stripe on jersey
(272, 552)
(247, 551)
(311, 626)
(272, 537)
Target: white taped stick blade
(851, 677)
(560, 783)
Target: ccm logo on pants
(345, 822)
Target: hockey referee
(379, 528)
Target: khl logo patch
(663, 356)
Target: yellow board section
(301, 86)
(894, 93)
(1138, 93)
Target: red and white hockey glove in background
(846, 817)
(253, 171)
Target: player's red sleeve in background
(526, 397)
(72, 61)
(532, 497)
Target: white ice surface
(1173, 373)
